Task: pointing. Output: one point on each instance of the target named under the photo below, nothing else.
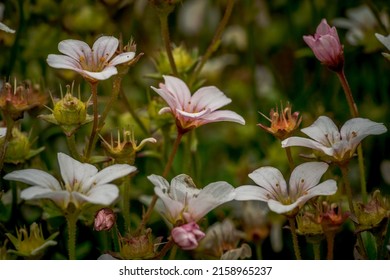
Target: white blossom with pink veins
(273, 189)
(196, 110)
(93, 64)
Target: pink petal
(179, 90)
(63, 62)
(104, 47)
(223, 115)
(75, 49)
(208, 97)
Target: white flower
(303, 185)
(196, 110)
(181, 200)
(81, 183)
(385, 40)
(340, 144)
(93, 64)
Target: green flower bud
(70, 110)
(18, 148)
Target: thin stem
(259, 247)
(344, 171)
(71, 220)
(290, 158)
(164, 250)
(8, 135)
(354, 112)
(71, 141)
(330, 243)
(316, 250)
(168, 166)
(115, 241)
(294, 238)
(94, 131)
(167, 41)
(348, 93)
(133, 113)
(385, 242)
(126, 202)
(116, 86)
(214, 43)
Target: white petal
(306, 176)
(111, 173)
(323, 130)
(5, 28)
(60, 61)
(209, 198)
(248, 192)
(356, 129)
(223, 115)
(270, 179)
(308, 143)
(182, 188)
(102, 194)
(3, 131)
(329, 187)
(171, 209)
(190, 115)
(122, 58)
(75, 49)
(209, 97)
(73, 171)
(165, 110)
(159, 181)
(165, 94)
(106, 73)
(34, 177)
(104, 47)
(33, 192)
(179, 89)
(385, 40)
(61, 198)
(280, 208)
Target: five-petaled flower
(303, 185)
(82, 183)
(93, 64)
(337, 145)
(181, 202)
(326, 46)
(196, 110)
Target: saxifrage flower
(273, 189)
(93, 64)
(196, 110)
(182, 202)
(81, 183)
(339, 145)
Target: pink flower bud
(104, 220)
(326, 46)
(187, 236)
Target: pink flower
(196, 110)
(187, 236)
(93, 64)
(326, 46)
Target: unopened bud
(187, 236)
(70, 110)
(104, 220)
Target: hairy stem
(294, 238)
(71, 220)
(94, 131)
(71, 141)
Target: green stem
(71, 141)
(259, 247)
(133, 113)
(294, 238)
(214, 43)
(8, 135)
(316, 250)
(344, 171)
(354, 112)
(164, 250)
(330, 244)
(126, 202)
(167, 41)
(116, 86)
(71, 220)
(168, 166)
(115, 241)
(290, 158)
(94, 131)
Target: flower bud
(187, 236)
(70, 110)
(18, 148)
(184, 61)
(326, 46)
(138, 247)
(104, 219)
